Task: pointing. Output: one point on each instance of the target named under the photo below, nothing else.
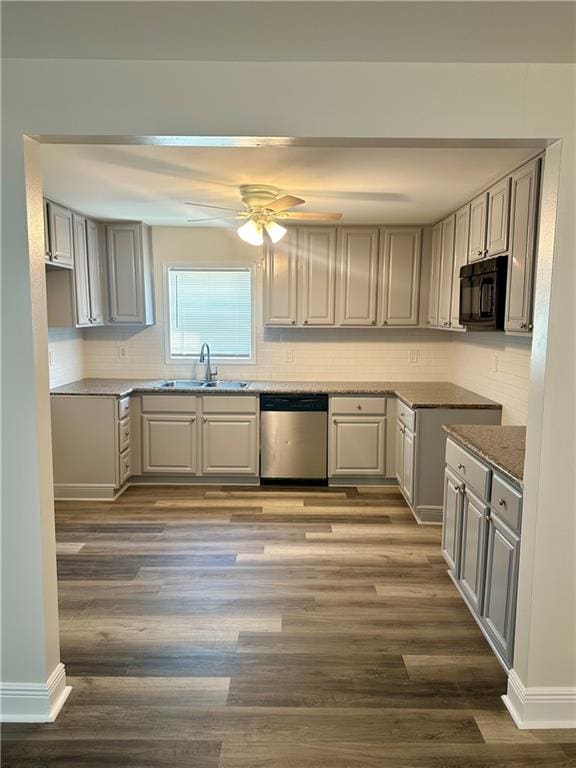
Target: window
(213, 306)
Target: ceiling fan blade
(217, 218)
(206, 205)
(308, 216)
(285, 202)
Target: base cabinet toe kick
(481, 544)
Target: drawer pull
(501, 502)
(359, 407)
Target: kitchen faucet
(205, 358)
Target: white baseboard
(34, 702)
(540, 707)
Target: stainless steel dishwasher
(293, 437)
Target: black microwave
(483, 294)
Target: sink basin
(201, 384)
(226, 385)
(184, 383)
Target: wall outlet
(413, 356)
(495, 363)
(288, 356)
(51, 360)
(122, 352)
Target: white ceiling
(368, 185)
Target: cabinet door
(498, 218)
(435, 276)
(358, 270)
(94, 273)
(126, 283)
(317, 253)
(400, 276)
(400, 452)
(501, 586)
(472, 553)
(460, 259)
(229, 445)
(522, 258)
(478, 217)
(452, 520)
(61, 237)
(408, 465)
(280, 280)
(81, 279)
(446, 271)
(169, 443)
(47, 254)
(358, 446)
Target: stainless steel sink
(201, 384)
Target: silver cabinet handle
(501, 502)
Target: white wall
(66, 355)
(496, 366)
(324, 354)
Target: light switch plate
(122, 352)
(288, 356)
(413, 356)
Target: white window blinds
(210, 305)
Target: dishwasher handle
(313, 403)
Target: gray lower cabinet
(481, 544)
(407, 482)
(130, 273)
(358, 445)
(472, 547)
(169, 443)
(501, 586)
(230, 444)
(452, 522)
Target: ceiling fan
(264, 208)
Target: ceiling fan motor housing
(258, 196)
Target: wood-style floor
(254, 628)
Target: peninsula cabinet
(399, 285)
(317, 256)
(130, 273)
(358, 272)
(481, 544)
(522, 258)
(58, 236)
(446, 271)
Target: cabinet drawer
(229, 404)
(124, 408)
(125, 466)
(359, 405)
(475, 474)
(169, 403)
(407, 416)
(124, 434)
(506, 502)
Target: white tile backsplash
(66, 355)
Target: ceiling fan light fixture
(275, 231)
(251, 233)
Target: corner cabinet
(400, 252)
(522, 259)
(130, 274)
(481, 544)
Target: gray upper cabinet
(522, 258)
(498, 218)
(280, 280)
(358, 272)
(474, 521)
(400, 275)
(81, 276)
(60, 236)
(94, 273)
(462, 231)
(478, 221)
(446, 271)
(130, 277)
(317, 254)
(434, 293)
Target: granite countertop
(501, 447)
(433, 394)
